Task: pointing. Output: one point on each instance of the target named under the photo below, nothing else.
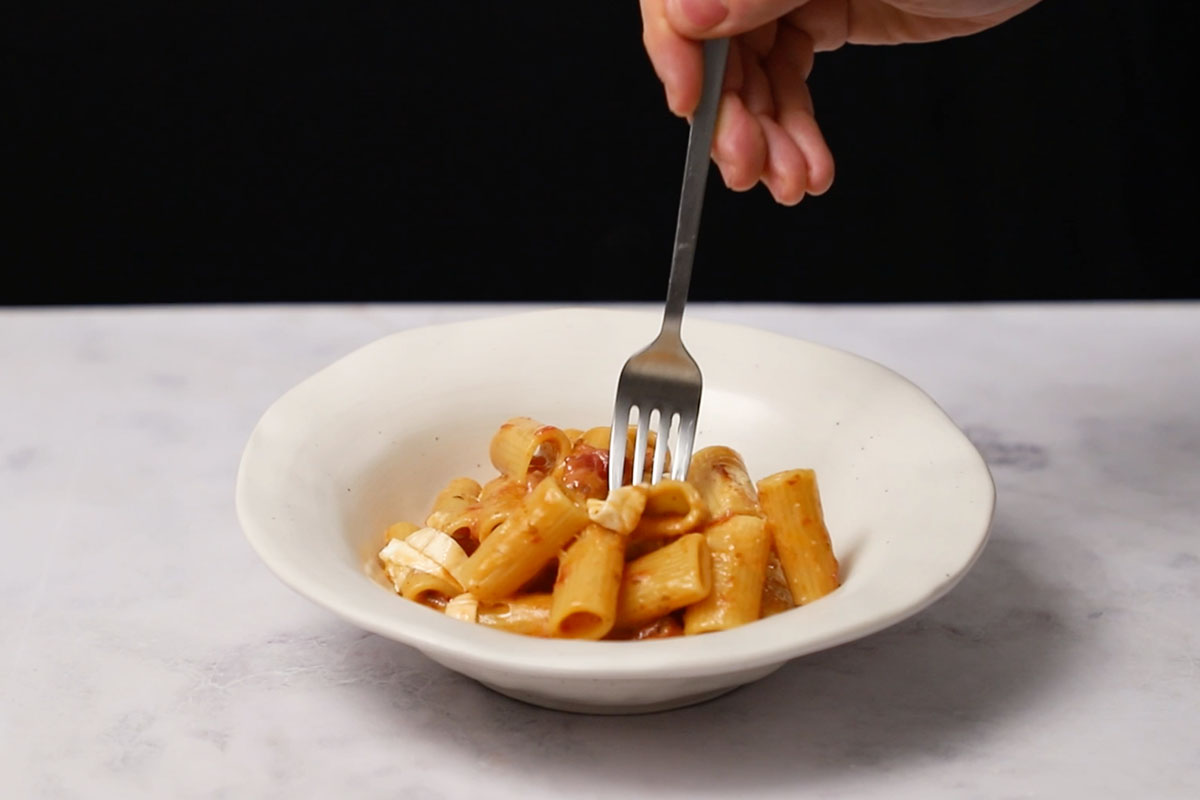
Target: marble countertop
(146, 652)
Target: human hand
(766, 131)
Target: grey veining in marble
(147, 653)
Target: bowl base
(575, 707)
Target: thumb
(708, 19)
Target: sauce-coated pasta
(544, 549)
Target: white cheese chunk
(437, 546)
(620, 511)
(426, 550)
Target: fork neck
(676, 298)
(695, 176)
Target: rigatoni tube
(672, 508)
(589, 578)
(501, 498)
(514, 552)
(429, 589)
(527, 613)
(720, 476)
(671, 577)
(796, 521)
(524, 445)
(740, 547)
(449, 512)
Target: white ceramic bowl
(370, 440)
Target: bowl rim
(769, 641)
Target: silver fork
(664, 377)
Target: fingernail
(703, 14)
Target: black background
(181, 152)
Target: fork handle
(695, 176)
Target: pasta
(498, 501)
(449, 512)
(523, 445)
(528, 614)
(740, 549)
(672, 577)
(544, 549)
(523, 544)
(721, 479)
(585, 594)
(797, 523)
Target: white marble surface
(147, 653)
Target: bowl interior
(371, 439)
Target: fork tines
(674, 408)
